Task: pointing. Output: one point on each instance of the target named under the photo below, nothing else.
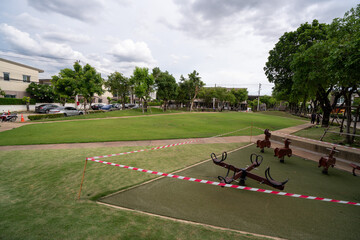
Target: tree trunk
(355, 122)
(326, 116)
(348, 116)
(165, 105)
(145, 105)
(123, 101)
(85, 101)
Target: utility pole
(258, 106)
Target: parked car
(97, 106)
(131, 106)
(118, 106)
(108, 107)
(45, 108)
(67, 111)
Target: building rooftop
(22, 65)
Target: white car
(67, 111)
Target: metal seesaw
(242, 173)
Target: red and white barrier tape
(313, 140)
(142, 150)
(230, 132)
(156, 148)
(227, 185)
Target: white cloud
(219, 19)
(130, 51)
(178, 58)
(84, 10)
(66, 37)
(22, 41)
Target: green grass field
(39, 188)
(187, 125)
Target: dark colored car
(45, 108)
(97, 106)
(108, 107)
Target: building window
(10, 96)
(6, 76)
(26, 78)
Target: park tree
(118, 85)
(83, 80)
(191, 87)
(42, 92)
(344, 58)
(143, 85)
(65, 85)
(268, 100)
(221, 95)
(278, 68)
(166, 86)
(240, 94)
(207, 95)
(89, 82)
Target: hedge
(15, 101)
(95, 111)
(45, 116)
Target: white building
(16, 77)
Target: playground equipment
(328, 161)
(282, 152)
(242, 173)
(355, 167)
(264, 143)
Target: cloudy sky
(226, 41)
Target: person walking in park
(318, 119)
(313, 117)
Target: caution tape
(142, 150)
(161, 147)
(227, 185)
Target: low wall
(347, 154)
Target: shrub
(95, 111)
(45, 116)
(155, 103)
(15, 101)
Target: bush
(45, 116)
(155, 103)
(15, 101)
(95, 111)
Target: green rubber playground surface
(273, 215)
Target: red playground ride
(328, 161)
(282, 152)
(264, 143)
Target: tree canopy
(118, 85)
(318, 61)
(143, 84)
(83, 80)
(166, 86)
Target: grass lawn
(120, 113)
(317, 132)
(283, 114)
(39, 187)
(187, 125)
